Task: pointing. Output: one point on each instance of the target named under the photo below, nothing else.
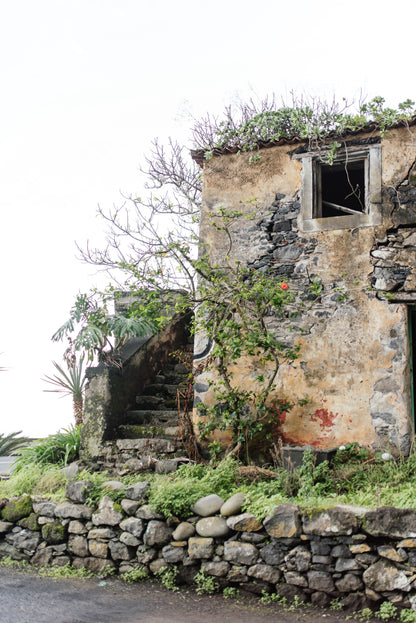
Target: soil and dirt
(27, 598)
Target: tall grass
(59, 449)
(45, 481)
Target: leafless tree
(148, 239)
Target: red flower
(284, 286)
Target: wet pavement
(27, 598)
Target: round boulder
(208, 505)
(212, 527)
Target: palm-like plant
(10, 443)
(92, 330)
(70, 383)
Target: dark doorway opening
(412, 343)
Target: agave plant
(70, 383)
(10, 443)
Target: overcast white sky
(86, 84)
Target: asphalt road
(26, 598)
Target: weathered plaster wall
(354, 357)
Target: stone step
(146, 446)
(132, 431)
(150, 402)
(153, 405)
(173, 377)
(151, 417)
(156, 389)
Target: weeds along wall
(353, 371)
(359, 557)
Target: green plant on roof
(250, 124)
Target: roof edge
(198, 155)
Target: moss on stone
(17, 508)
(31, 522)
(132, 431)
(53, 533)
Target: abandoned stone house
(351, 227)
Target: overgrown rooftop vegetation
(253, 124)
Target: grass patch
(45, 481)
(139, 574)
(9, 563)
(354, 479)
(65, 571)
(174, 495)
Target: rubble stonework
(340, 553)
(354, 356)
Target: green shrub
(167, 576)
(336, 604)
(175, 495)
(175, 498)
(8, 562)
(138, 574)
(262, 497)
(351, 453)
(66, 571)
(230, 592)
(205, 584)
(386, 611)
(272, 598)
(364, 615)
(58, 449)
(407, 616)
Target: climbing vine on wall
(235, 306)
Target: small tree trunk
(78, 405)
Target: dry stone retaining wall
(359, 556)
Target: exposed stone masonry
(284, 252)
(285, 245)
(393, 258)
(358, 556)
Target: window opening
(342, 189)
(346, 194)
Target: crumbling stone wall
(354, 357)
(359, 556)
(112, 389)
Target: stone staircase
(150, 437)
(156, 416)
(131, 421)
